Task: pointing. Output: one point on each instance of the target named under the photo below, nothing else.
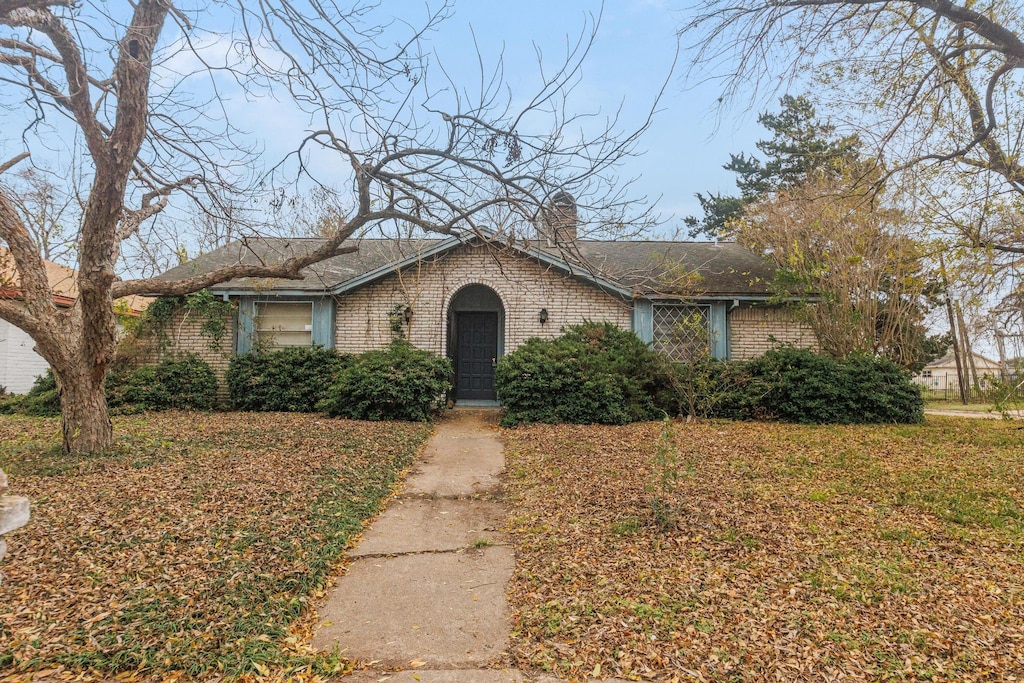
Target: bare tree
(851, 260)
(937, 85)
(47, 210)
(117, 82)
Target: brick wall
(525, 287)
(755, 329)
(184, 336)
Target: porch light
(407, 315)
(543, 315)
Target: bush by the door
(399, 382)
(594, 373)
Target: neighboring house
(19, 363)
(940, 374)
(475, 298)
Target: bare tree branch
(141, 91)
(938, 85)
(11, 163)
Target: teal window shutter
(719, 331)
(323, 322)
(245, 332)
(321, 332)
(643, 320)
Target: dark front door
(476, 352)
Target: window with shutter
(284, 323)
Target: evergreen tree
(800, 145)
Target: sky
(631, 61)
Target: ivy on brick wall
(155, 322)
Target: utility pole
(953, 332)
(968, 350)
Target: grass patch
(187, 551)
(956, 405)
(868, 550)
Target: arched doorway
(476, 336)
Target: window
(682, 331)
(284, 323)
(927, 374)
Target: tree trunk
(85, 419)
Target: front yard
(194, 548)
(799, 553)
(794, 553)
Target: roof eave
(389, 268)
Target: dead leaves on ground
(193, 548)
(800, 553)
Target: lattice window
(682, 331)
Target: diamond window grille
(682, 332)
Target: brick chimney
(558, 220)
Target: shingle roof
(63, 282)
(646, 268)
(719, 269)
(372, 254)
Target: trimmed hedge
(594, 373)
(398, 382)
(183, 383)
(289, 380)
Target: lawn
(969, 407)
(194, 548)
(796, 553)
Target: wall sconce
(543, 315)
(407, 315)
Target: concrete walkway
(426, 591)
(981, 415)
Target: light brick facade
(184, 335)
(418, 303)
(525, 287)
(755, 329)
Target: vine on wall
(152, 331)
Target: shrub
(798, 385)
(882, 391)
(183, 383)
(701, 388)
(593, 373)
(602, 374)
(290, 380)
(399, 382)
(42, 400)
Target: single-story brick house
(477, 297)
